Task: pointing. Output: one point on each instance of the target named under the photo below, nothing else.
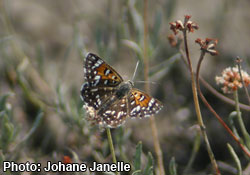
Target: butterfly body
(123, 89)
(109, 99)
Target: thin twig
(147, 89)
(197, 107)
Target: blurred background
(42, 44)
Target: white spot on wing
(99, 101)
(151, 102)
(94, 90)
(99, 62)
(108, 112)
(120, 114)
(142, 98)
(107, 72)
(97, 77)
(93, 58)
(138, 108)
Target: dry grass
(41, 66)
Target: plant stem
(156, 142)
(238, 61)
(111, 146)
(235, 158)
(197, 108)
(196, 147)
(213, 111)
(241, 123)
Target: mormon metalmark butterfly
(108, 99)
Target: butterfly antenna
(135, 70)
(152, 82)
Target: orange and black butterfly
(109, 98)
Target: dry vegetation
(41, 67)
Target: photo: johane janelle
(99, 167)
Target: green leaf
(137, 156)
(149, 170)
(134, 46)
(232, 116)
(235, 158)
(136, 17)
(7, 132)
(172, 167)
(35, 125)
(37, 122)
(160, 70)
(137, 172)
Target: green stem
(235, 158)
(196, 147)
(241, 123)
(111, 146)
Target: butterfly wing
(101, 81)
(115, 114)
(142, 105)
(95, 97)
(99, 74)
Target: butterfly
(109, 100)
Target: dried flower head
(231, 80)
(188, 25)
(90, 110)
(208, 45)
(92, 116)
(174, 41)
